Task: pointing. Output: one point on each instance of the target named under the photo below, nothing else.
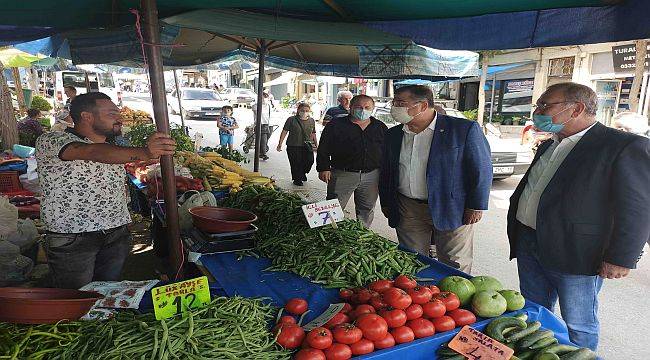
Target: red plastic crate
(9, 182)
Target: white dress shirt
(413, 159)
(541, 174)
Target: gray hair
(631, 121)
(574, 92)
(343, 93)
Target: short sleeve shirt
(299, 134)
(227, 121)
(79, 195)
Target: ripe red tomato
(450, 300)
(287, 319)
(414, 311)
(380, 285)
(346, 294)
(384, 343)
(346, 308)
(338, 352)
(403, 334)
(337, 319)
(378, 302)
(320, 338)
(420, 294)
(362, 297)
(421, 327)
(361, 347)
(434, 289)
(397, 298)
(404, 282)
(363, 309)
(296, 306)
(394, 318)
(443, 323)
(289, 336)
(462, 317)
(310, 354)
(373, 326)
(347, 333)
(434, 309)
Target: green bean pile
(345, 257)
(349, 256)
(228, 328)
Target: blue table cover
(246, 277)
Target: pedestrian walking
(349, 157)
(227, 125)
(300, 132)
(342, 110)
(435, 178)
(581, 213)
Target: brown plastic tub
(219, 219)
(44, 305)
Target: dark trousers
(264, 139)
(300, 160)
(77, 259)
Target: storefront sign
(473, 344)
(173, 299)
(513, 86)
(323, 213)
(624, 58)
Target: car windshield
(200, 95)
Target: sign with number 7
(178, 298)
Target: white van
(99, 82)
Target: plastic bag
(25, 236)
(8, 217)
(16, 270)
(30, 179)
(8, 251)
(189, 200)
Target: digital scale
(206, 243)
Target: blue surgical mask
(545, 122)
(361, 114)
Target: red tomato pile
(386, 313)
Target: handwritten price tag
(178, 298)
(473, 344)
(323, 213)
(326, 316)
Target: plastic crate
(9, 182)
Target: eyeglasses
(543, 106)
(402, 103)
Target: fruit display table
(245, 276)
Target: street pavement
(624, 304)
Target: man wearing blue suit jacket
(435, 178)
(582, 211)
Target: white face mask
(401, 114)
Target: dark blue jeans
(77, 259)
(577, 294)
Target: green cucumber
(580, 354)
(514, 358)
(454, 357)
(546, 356)
(534, 337)
(445, 351)
(523, 316)
(542, 343)
(531, 328)
(496, 327)
(527, 355)
(559, 349)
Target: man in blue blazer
(435, 178)
(582, 211)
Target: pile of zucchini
(528, 339)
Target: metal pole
(494, 86)
(157, 82)
(178, 95)
(258, 116)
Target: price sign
(181, 297)
(323, 213)
(473, 344)
(326, 316)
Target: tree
(8, 124)
(641, 51)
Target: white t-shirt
(79, 195)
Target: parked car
(239, 96)
(508, 156)
(197, 103)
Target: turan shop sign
(624, 58)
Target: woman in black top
(301, 142)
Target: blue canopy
(527, 29)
